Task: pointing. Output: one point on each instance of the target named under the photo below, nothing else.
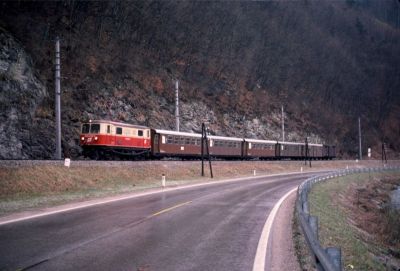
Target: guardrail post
(313, 221)
(335, 254)
(305, 207)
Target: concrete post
(58, 100)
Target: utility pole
(283, 126)
(359, 139)
(177, 105)
(384, 159)
(58, 100)
(204, 141)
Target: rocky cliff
(21, 134)
(327, 62)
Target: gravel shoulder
(283, 255)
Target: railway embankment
(32, 184)
(357, 213)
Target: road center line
(170, 208)
(259, 260)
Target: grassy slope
(26, 187)
(334, 227)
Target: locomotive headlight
(95, 138)
(82, 138)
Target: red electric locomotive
(110, 139)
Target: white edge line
(259, 260)
(99, 202)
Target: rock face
(21, 92)
(238, 62)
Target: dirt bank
(29, 184)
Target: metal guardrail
(330, 258)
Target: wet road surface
(211, 227)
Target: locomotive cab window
(85, 128)
(140, 132)
(119, 131)
(108, 129)
(95, 128)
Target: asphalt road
(211, 227)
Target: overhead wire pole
(204, 140)
(307, 154)
(283, 126)
(359, 139)
(177, 105)
(58, 100)
(384, 159)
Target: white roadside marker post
(163, 181)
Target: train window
(148, 133)
(176, 140)
(198, 142)
(119, 131)
(85, 128)
(187, 141)
(95, 128)
(170, 140)
(108, 129)
(140, 132)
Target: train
(106, 140)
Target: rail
(326, 259)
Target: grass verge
(342, 216)
(30, 186)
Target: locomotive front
(108, 139)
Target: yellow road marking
(170, 208)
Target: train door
(140, 134)
(118, 136)
(110, 138)
(277, 150)
(156, 143)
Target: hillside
(327, 62)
